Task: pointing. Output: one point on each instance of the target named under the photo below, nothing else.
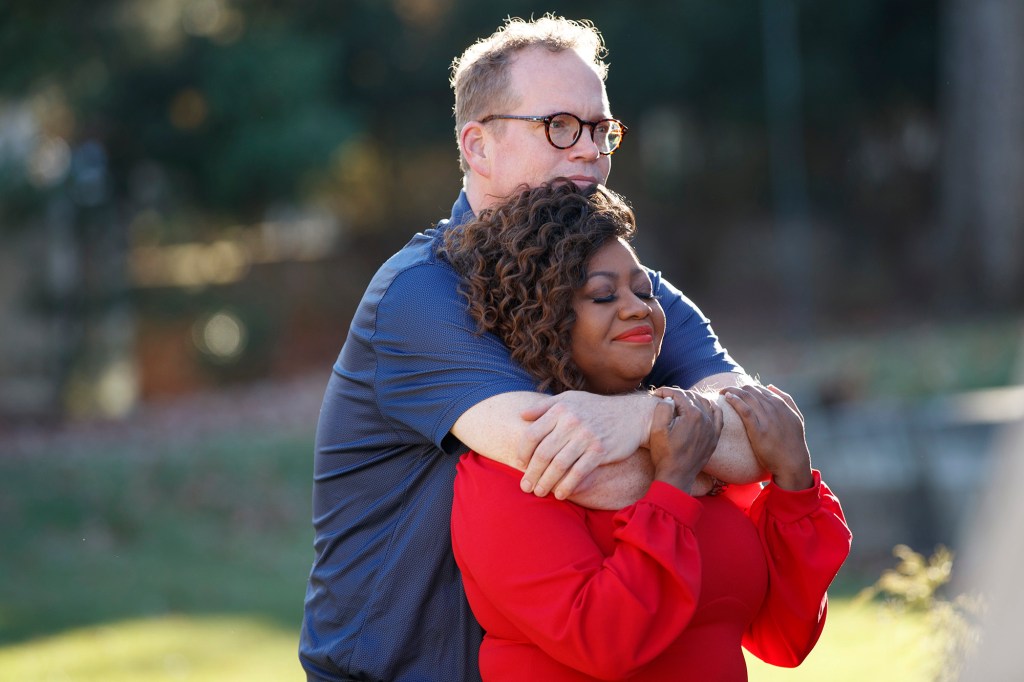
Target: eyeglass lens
(565, 129)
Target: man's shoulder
(418, 260)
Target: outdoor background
(194, 194)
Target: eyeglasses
(564, 129)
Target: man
(414, 384)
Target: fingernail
(526, 486)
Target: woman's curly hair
(522, 262)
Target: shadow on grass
(220, 526)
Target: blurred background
(194, 194)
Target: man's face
(548, 83)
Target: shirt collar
(462, 212)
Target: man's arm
(733, 460)
(560, 440)
(585, 446)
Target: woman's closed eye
(643, 295)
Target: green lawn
(190, 562)
(93, 538)
(860, 643)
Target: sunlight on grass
(861, 642)
(866, 642)
(158, 649)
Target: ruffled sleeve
(806, 540)
(534, 563)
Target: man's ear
(475, 147)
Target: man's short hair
(480, 76)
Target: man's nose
(585, 147)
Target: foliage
(914, 586)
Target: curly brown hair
(521, 263)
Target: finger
(687, 400)
(774, 405)
(558, 468)
(583, 467)
(661, 424)
(537, 411)
(544, 452)
(707, 405)
(719, 417)
(667, 391)
(535, 434)
(664, 412)
(743, 402)
(787, 398)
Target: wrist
(677, 478)
(646, 402)
(794, 480)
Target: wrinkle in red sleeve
(806, 540)
(542, 573)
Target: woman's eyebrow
(613, 275)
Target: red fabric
(670, 586)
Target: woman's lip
(637, 335)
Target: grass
(197, 648)
(189, 562)
(220, 527)
(861, 642)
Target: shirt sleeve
(691, 350)
(536, 563)
(806, 540)
(431, 364)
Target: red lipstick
(641, 334)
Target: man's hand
(775, 428)
(573, 433)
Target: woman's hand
(775, 428)
(684, 433)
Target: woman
(673, 585)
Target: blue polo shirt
(385, 599)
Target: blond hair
(480, 76)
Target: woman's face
(619, 324)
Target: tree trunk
(982, 202)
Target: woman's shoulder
(480, 479)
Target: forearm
(495, 428)
(592, 430)
(733, 460)
(618, 485)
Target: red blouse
(672, 585)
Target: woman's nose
(634, 306)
